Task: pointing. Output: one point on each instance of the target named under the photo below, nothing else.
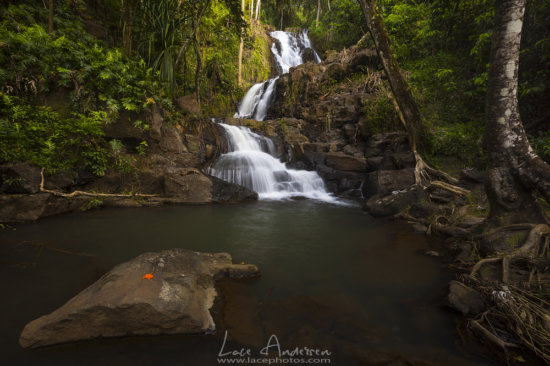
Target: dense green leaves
(41, 136)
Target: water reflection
(331, 276)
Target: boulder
(464, 299)
(308, 54)
(193, 143)
(335, 71)
(62, 180)
(187, 184)
(383, 182)
(226, 192)
(423, 210)
(170, 292)
(362, 58)
(341, 161)
(156, 121)
(188, 103)
(19, 178)
(31, 207)
(171, 141)
(391, 204)
(399, 160)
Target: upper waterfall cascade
(288, 52)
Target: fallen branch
(88, 194)
(474, 324)
(448, 187)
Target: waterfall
(250, 163)
(289, 52)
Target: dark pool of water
(332, 278)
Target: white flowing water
(250, 163)
(291, 51)
(289, 54)
(251, 160)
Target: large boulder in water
(190, 185)
(170, 292)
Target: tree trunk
(50, 17)
(282, 13)
(318, 13)
(406, 106)
(258, 5)
(198, 69)
(514, 170)
(241, 46)
(195, 25)
(251, 10)
(127, 27)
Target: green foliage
(41, 136)
(461, 141)
(380, 115)
(35, 64)
(541, 144)
(96, 84)
(95, 202)
(341, 22)
(141, 149)
(333, 32)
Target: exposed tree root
(450, 230)
(88, 194)
(448, 187)
(530, 248)
(423, 173)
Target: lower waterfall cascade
(250, 163)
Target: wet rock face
(19, 178)
(169, 292)
(188, 183)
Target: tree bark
(398, 85)
(50, 17)
(198, 69)
(127, 27)
(514, 171)
(282, 13)
(318, 13)
(241, 46)
(406, 106)
(251, 10)
(196, 23)
(258, 6)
